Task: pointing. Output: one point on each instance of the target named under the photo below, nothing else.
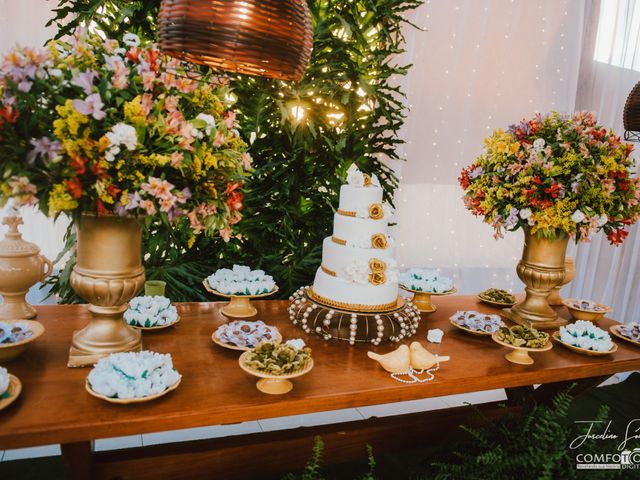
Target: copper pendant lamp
(631, 115)
(269, 38)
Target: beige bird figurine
(397, 361)
(423, 359)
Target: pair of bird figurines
(404, 358)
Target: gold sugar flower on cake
(376, 211)
(379, 240)
(377, 278)
(376, 265)
(367, 180)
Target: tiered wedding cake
(359, 270)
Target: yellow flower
(379, 240)
(191, 241)
(124, 198)
(376, 265)
(60, 200)
(134, 113)
(377, 278)
(101, 189)
(69, 122)
(375, 211)
(207, 101)
(154, 160)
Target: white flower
(296, 343)
(123, 134)
(387, 211)
(241, 280)
(358, 272)
(525, 213)
(4, 380)
(538, 144)
(374, 180)
(578, 216)
(602, 220)
(435, 335)
(355, 177)
(208, 120)
(131, 39)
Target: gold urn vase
(108, 273)
(569, 274)
(542, 268)
(21, 267)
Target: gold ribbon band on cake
(328, 271)
(346, 213)
(350, 307)
(337, 240)
(376, 212)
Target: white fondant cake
(358, 260)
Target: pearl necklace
(411, 373)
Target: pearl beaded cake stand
(330, 322)
(422, 300)
(239, 306)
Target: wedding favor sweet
(10, 388)
(476, 322)
(133, 377)
(354, 296)
(240, 284)
(276, 363)
(629, 332)
(522, 340)
(16, 336)
(497, 296)
(150, 312)
(424, 283)
(584, 335)
(245, 335)
(557, 177)
(586, 309)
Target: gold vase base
(19, 310)
(80, 358)
(274, 386)
(537, 324)
(239, 307)
(555, 300)
(521, 357)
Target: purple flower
(25, 85)
(476, 172)
(92, 105)
(44, 147)
(575, 186)
(512, 219)
(85, 80)
(134, 202)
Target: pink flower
(92, 105)
(219, 140)
(147, 79)
(173, 123)
(246, 161)
(176, 159)
(235, 218)
(110, 45)
(146, 103)
(225, 233)
(158, 188)
(120, 75)
(230, 120)
(85, 80)
(148, 206)
(171, 104)
(167, 203)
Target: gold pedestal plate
(422, 300)
(239, 306)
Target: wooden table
(54, 407)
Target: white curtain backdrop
(480, 65)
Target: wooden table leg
(77, 460)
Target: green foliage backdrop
(348, 108)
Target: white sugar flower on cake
(241, 280)
(358, 272)
(355, 177)
(583, 334)
(133, 375)
(425, 280)
(150, 311)
(4, 381)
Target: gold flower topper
(379, 240)
(376, 212)
(367, 180)
(377, 266)
(377, 278)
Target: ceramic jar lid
(12, 245)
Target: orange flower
(75, 187)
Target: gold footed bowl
(520, 355)
(422, 300)
(12, 393)
(108, 273)
(239, 306)
(541, 268)
(273, 384)
(9, 351)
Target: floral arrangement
(133, 375)
(279, 358)
(241, 280)
(14, 332)
(356, 178)
(477, 321)
(4, 381)
(150, 311)
(245, 334)
(555, 174)
(586, 335)
(425, 280)
(113, 128)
